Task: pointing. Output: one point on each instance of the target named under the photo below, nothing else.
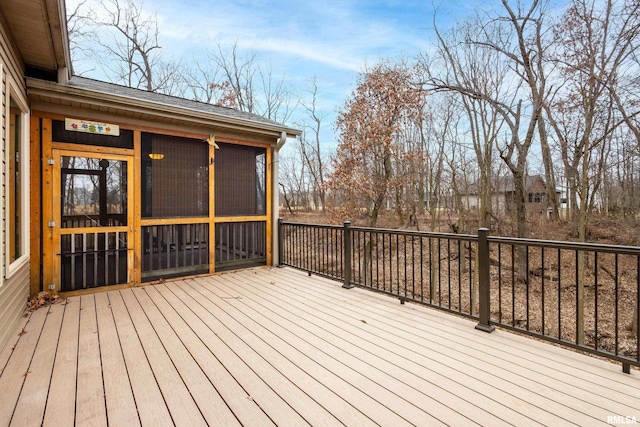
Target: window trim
(13, 91)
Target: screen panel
(240, 180)
(175, 177)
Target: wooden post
(212, 206)
(35, 167)
(135, 270)
(49, 250)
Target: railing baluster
(449, 273)
(616, 281)
(559, 294)
(513, 285)
(542, 274)
(526, 263)
(404, 240)
(384, 265)
(595, 290)
(499, 282)
(431, 287)
(377, 262)
(460, 261)
(577, 279)
(440, 272)
(397, 264)
(413, 267)
(421, 272)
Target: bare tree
(311, 148)
(79, 27)
(250, 87)
(459, 65)
(129, 50)
(514, 44)
(239, 73)
(592, 50)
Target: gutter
(275, 197)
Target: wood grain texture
(264, 347)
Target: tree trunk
(582, 237)
(549, 176)
(521, 221)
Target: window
(17, 177)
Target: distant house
(503, 195)
(104, 185)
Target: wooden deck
(276, 347)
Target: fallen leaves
(43, 299)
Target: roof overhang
(39, 31)
(44, 92)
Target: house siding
(13, 296)
(14, 290)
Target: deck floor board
(453, 359)
(31, 404)
(19, 365)
(265, 347)
(121, 406)
(61, 401)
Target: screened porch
(137, 206)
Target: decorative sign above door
(91, 127)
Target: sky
(331, 41)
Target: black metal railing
(580, 295)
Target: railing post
(280, 243)
(346, 262)
(485, 285)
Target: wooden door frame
(51, 197)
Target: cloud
(324, 54)
(338, 34)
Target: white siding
(15, 290)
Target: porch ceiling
(39, 31)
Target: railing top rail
(576, 246)
(556, 244)
(306, 224)
(452, 236)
